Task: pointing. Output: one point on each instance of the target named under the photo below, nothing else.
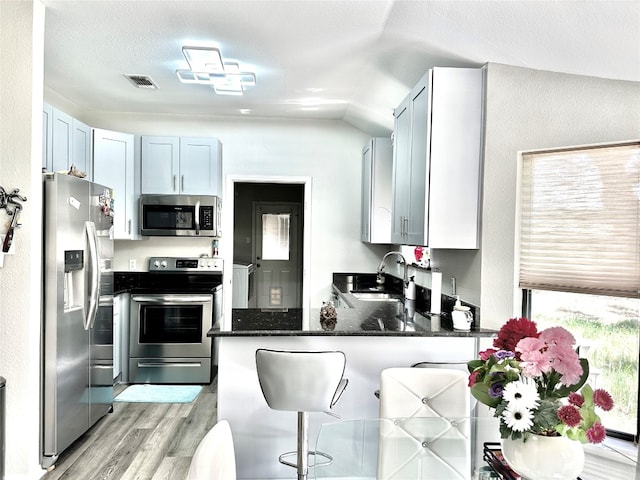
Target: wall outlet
(132, 264)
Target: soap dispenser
(461, 315)
(410, 290)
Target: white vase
(544, 458)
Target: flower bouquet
(536, 383)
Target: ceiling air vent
(141, 81)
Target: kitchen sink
(393, 324)
(377, 296)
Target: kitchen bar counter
(360, 318)
(364, 319)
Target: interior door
(277, 255)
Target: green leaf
(546, 416)
(480, 391)
(474, 364)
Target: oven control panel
(185, 264)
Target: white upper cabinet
(181, 165)
(376, 191)
(436, 160)
(457, 134)
(81, 148)
(114, 167)
(61, 144)
(411, 164)
(47, 141)
(65, 142)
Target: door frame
(226, 241)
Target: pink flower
(569, 415)
(576, 399)
(557, 336)
(596, 433)
(602, 399)
(485, 354)
(567, 363)
(530, 344)
(535, 363)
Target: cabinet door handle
(181, 183)
(173, 184)
(129, 226)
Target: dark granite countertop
(364, 318)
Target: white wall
(328, 152)
(529, 109)
(22, 53)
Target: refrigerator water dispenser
(73, 279)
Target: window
(606, 331)
(275, 236)
(580, 260)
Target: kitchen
(283, 150)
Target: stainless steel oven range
(173, 306)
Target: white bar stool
(303, 382)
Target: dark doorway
(268, 233)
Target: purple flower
(495, 390)
(502, 354)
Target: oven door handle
(168, 364)
(164, 299)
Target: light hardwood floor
(141, 441)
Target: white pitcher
(462, 316)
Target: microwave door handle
(197, 219)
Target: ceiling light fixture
(208, 68)
(204, 59)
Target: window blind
(580, 220)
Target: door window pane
(275, 236)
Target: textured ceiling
(352, 59)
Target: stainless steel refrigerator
(77, 347)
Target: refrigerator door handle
(92, 241)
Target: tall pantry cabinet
(437, 160)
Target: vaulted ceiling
(352, 60)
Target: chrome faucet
(380, 279)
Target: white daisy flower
(517, 418)
(522, 394)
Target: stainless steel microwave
(180, 215)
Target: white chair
(301, 382)
(412, 447)
(214, 459)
